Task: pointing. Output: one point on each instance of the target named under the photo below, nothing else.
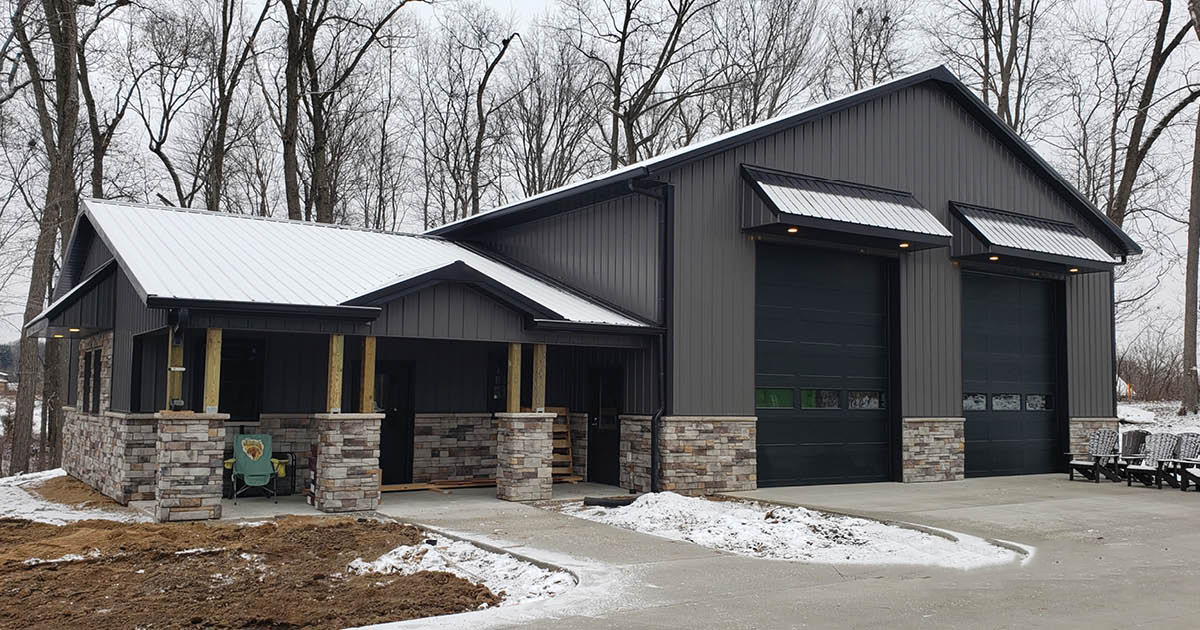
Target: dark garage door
(1010, 368)
(821, 367)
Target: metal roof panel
(846, 202)
(198, 255)
(999, 228)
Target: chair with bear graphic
(252, 465)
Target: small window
(773, 398)
(974, 402)
(1006, 402)
(867, 400)
(1039, 402)
(820, 399)
(96, 371)
(85, 400)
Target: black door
(604, 425)
(394, 396)
(1010, 368)
(821, 357)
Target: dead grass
(289, 573)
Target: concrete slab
(1106, 556)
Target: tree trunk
(1191, 386)
(291, 117)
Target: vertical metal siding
(916, 140)
(607, 249)
(1090, 381)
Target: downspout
(1112, 315)
(666, 227)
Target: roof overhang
(781, 203)
(1030, 241)
(40, 326)
(353, 313)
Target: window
(974, 402)
(89, 402)
(866, 400)
(1039, 402)
(1006, 402)
(773, 398)
(820, 399)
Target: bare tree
(56, 101)
(327, 40)
(177, 54)
(1005, 49)
(232, 54)
(1191, 385)
(864, 44)
(550, 119)
(637, 43)
(1150, 102)
(768, 55)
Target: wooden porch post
(513, 402)
(333, 392)
(366, 403)
(174, 367)
(539, 378)
(212, 371)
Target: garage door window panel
(820, 399)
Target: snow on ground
(785, 533)
(16, 502)
(516, 580)
(1161, 415)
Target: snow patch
(515, 581)
(1157, 416)
(70, 557)
(786, 533)
(17, 502)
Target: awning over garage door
(1007, 234)
(778, 200)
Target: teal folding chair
(252, 465)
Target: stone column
(191, 456)
(347, 461)
(1081, 430)
(933, 449)
(525, 456)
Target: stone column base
(191, 464)
(524, 456)
(1081, 430)
(933, 449)
(698, 455)
(347, 475)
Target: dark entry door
(394, 396)
(604, 425)
(821, 357)
(1010, 369)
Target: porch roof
(180, 257)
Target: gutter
(357, 313)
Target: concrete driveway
(1107, 556)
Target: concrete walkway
(1106, 556)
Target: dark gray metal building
(888, 286)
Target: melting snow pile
(1154, 416)
(515, 580)
(785, 533)
(16, 502)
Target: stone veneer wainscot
(933, 449)
(698, 455)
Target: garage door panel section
(821, 336)
(1011, 332)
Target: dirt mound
(71, 491)
(288, 573)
